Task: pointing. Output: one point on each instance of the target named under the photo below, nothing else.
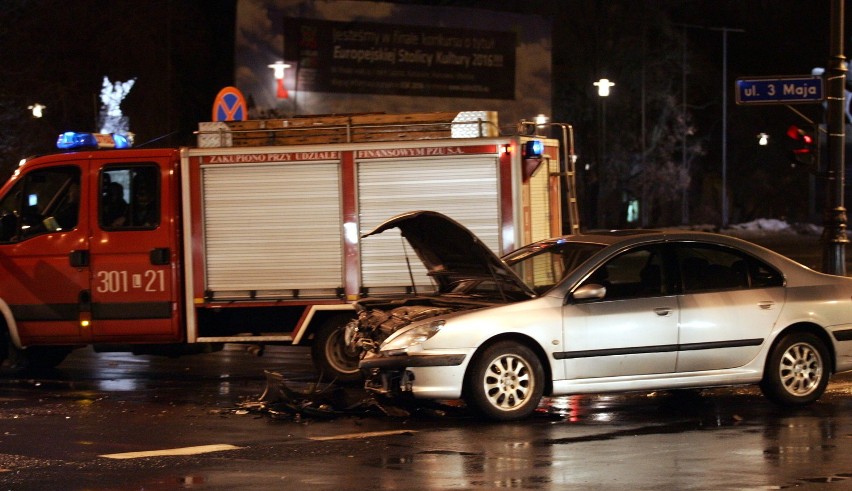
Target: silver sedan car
(605, 312)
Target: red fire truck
(252, 236)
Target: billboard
(309, 57)
(373, 58)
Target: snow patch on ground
(762, 227)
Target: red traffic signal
(803, 151)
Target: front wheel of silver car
(505, 382)
(797, 371)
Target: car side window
(545, 268)
(44, 201)
(705, 267)
(129, 197)
(634, 274)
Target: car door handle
(663, 311)
(766, 305)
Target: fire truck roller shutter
(262, 221)
(465, 189)
(539, 202)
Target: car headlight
(412, 338)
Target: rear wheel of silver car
(505, 382)
(797, 371)
(331, 355)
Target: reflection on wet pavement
(55, 426)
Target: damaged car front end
(467, 276)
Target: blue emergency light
(71, 140)
(533, 149)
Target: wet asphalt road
(65, 430)
(122, 422)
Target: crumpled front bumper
(436, 376)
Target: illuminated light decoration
(37, 110)
(71, 140)
(762, 139)
(112, 119)
(278, 71)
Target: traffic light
(804, 149)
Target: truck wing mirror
(8, 226)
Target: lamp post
(603, 86)
(834, 237)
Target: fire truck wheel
(37, 358)
(331, 357)
(5, 346)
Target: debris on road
(297, 400)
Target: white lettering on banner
(256, 158)
(383, 153)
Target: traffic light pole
(834, 237)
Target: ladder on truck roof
(353, 128)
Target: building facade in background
(341, 57)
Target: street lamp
(603, 86)
(37, 110)
(278, 72)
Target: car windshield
(543, 265)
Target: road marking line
(352, 436)
(171, 451)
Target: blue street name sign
(780, 90)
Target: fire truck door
(133, 252)
(44, 234)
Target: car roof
(616, 240)
(637, 236)
(621, 238)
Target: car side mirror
(591, 291)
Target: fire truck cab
(91, 252)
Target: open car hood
(451, 252)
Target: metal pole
(724, 128)
(834, 233)
(684, 195)
(725, 31)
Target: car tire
(331, 356)
(505, 382)
(797, 370)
